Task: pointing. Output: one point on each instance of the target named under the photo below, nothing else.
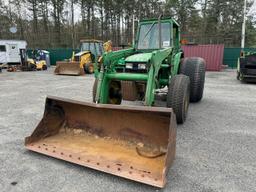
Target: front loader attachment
(133, 142)
(68, 68)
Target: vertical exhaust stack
(136, 143)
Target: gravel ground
(215, 147)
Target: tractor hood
(140, 57)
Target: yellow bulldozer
(83, 62)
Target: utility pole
(133, 29)
(243, 27)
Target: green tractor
(133, 142)
(155, 61)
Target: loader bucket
(68, 68)
(136, 143)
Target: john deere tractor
(134, 142)
(156, 61)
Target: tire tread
(194, 67)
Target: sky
(253, 9)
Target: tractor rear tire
(178, 96)
(194, 68)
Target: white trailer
(10, 51)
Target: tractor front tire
(194, 68)
(115, 93)
(178, 96)
(44, 67)
(32, 67)
(88, 68)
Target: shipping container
(213, 54)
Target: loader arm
(157, 60)
(176, 59)
(110, 60)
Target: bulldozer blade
(68, 68)
(133, 142)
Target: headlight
(128, 65)
(136, 66)
(142, 66)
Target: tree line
(62, 23)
